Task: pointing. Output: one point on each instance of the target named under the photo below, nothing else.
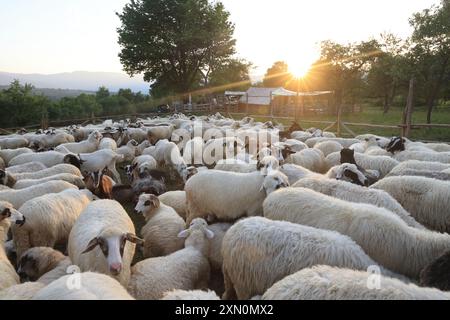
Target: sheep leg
(115, 174)
(230, 292)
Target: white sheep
(230, 195)
(186, 269)
(48, 172)
(193, 151)
(87, 146)
(330, 283)
(71, 178)
(92, 286)
(381, 233)
(443, 157)
(235, 165)
(49, 219)
(427, 199)
(158, 133)
(161, 229)
(312, 159)
(27, 167)
(351, 192)
(421, 165)
(18, 197)
(328, 147)
(48, 158)
(168, 155)
(258, 252)
(8, 216)
(176, 200)
(108, 143)
(144, 163)
(128, 151)
(215, 250)
(103, 240)
(344, 142)
(8, 154)
(382, 164)
(402, 171)
(13, 143)
(101, 159)
(190, 295)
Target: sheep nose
(115, 268)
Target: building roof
(258, 96)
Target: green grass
(374, 115)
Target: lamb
(71, 178)
(163, 224)
(8, 216)
(190, 295)
(258, 252)
(380, 233)
(230, 195)
(175, 200)
(48, 158)
(87, 146)
(312, 159)
(24, 291)
(353, 193)
(186, 269)
(38, 261)
(101, 159)
(18, 197)
(48, 172)
(51, 139)
(140, 165)
(428, 200)
(27, 167)
(344, 142)
(93, 286)
(128, 151)
(50, 218)
(8, 154)
(103, 240)
(382, 164)
(330, 283)
(107, 143)
(328, 147)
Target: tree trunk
(435, 90)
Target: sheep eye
(147, 203)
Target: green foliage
(174, 42)
(277, 76)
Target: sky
(52, 36)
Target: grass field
(375, 116)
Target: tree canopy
(174, 43)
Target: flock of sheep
(232, 209)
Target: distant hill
(78, 80)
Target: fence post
(338, 122)
(407, 114)
(246, 104)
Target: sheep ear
(184, 234)
(91, 245)
(209, 234)
(132, 238)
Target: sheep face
(396, 144)
(350, 173)
(73, 160)
(96, 136)
(3, 178)
(273, 181)
(7, 211)
(112, 244)
(37, 261)
(147, 203)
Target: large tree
(174, 42)
(431, 50)
(341, 68)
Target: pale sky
(52, 36)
